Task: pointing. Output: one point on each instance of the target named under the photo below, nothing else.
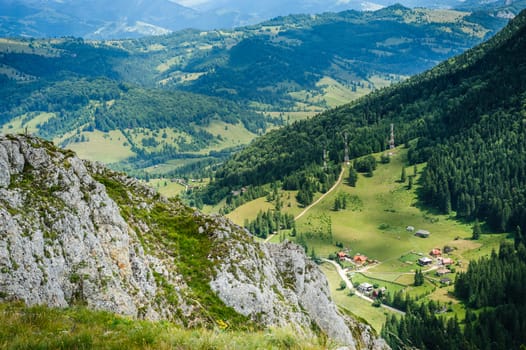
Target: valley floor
(375, 224)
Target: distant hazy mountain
(99, 19)
(93, 18)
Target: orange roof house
(342, 255)
(360, 259)
(435, 252)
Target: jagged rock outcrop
(75, 232)
(63, 240)
(277, 280)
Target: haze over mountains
(100, 19)
(138, 97)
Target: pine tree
(353, 177)
(476, 230)
(419, 278)
(518, 239)
(337, 204)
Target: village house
(435, 252)
(424, 261)
(447, 261)
(365, 287)
(342, 256)
(442, 271)
(359, 259)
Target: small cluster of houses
(443, 262)
(186, 184)
(239, 192)
(437, 254)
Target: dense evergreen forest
(468, 115)
(493, 291)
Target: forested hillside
(295, 53)
(195, 97)
(68, 89)
(468, 114)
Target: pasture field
(110, 147)
(166, 187)
(379, 210)
(231, 135)
(19, 124)
(251, 209)
(376, 225)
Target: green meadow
(380, 210)
(77, 327)
(374, 223)
(166, 187)
(108, 147)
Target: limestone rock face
(69, 234)
(62, 239)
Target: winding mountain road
(316, 201)
(322, 196)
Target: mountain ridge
(102, 93)
(136, 19)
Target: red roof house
(360, 259)
(435, 252)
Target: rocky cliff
(75, 232)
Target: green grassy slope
(79, 328)
(456, 111)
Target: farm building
(447, 261)
(342, 256)
(442, 271)
(410, 228)
(365, 287)
(435, 252)
(424, 261)
(422, 233)
(359, 259)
